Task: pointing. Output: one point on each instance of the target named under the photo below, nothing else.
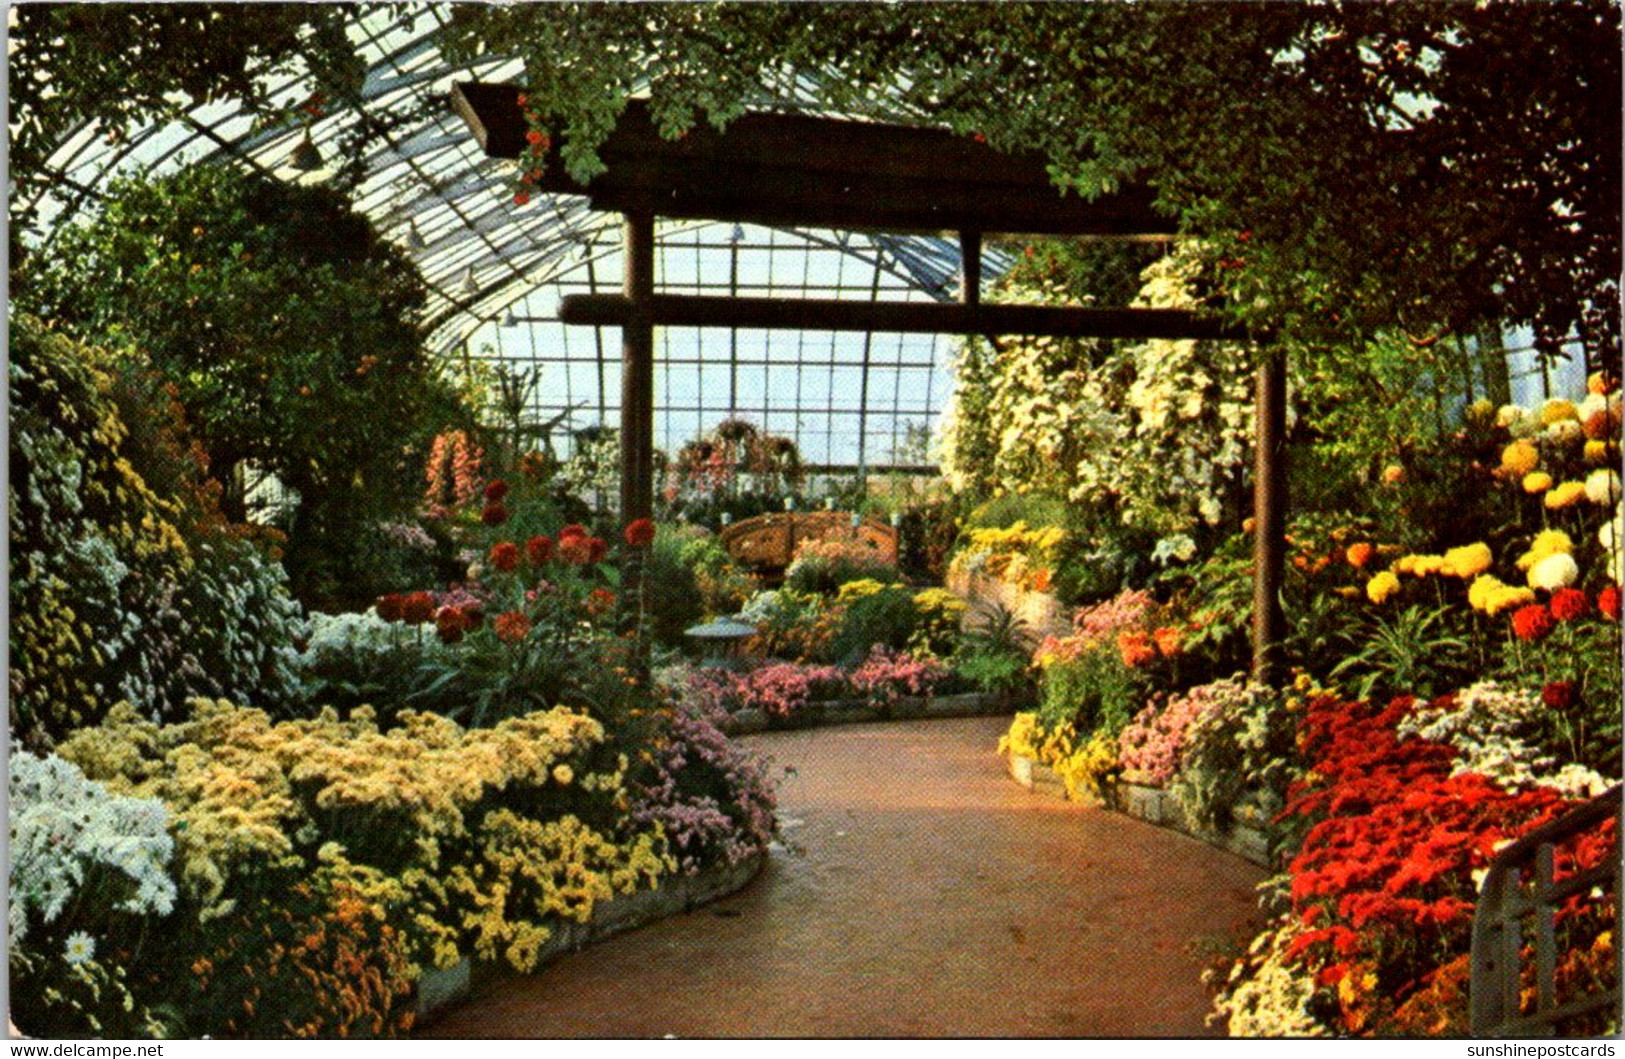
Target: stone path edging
(859, 711)
(1153, 805)
(441, 989)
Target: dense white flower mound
(68, 832)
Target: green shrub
(723, 584)
(887, 617)
(1094, 691)
(822, 567)
(1035, 509)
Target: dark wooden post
(1269, 514)
(637, 370)
(970, 268)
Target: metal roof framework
(495, 272)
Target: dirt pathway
(923, 894)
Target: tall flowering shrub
(126, 583)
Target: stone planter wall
(1042, 613)
(440, 989)
(1152, 805)
(859, 711)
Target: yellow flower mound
(1469, 560)
(1419, 565)
(1558, 410)
(939, 601)
(1520, 458)
(1492, 596)
(1566, 495)
(1536, 482)
(1381, 587)
(867, 586)
(1598, 452)
(1546, 542)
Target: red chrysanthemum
(576, 551)
(389, 607)
(417, 608)
(600, 601)
(505, 556)
(597, 549)
(494, 515)
(451, 622)
(1569, 604)
(511, 627)
(539, 549)
(1559, 694)
(1533, 622)
(1608, 602)
(572, 530)
(640, 533)
(496, 492)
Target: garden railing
(1509, 897)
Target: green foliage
(925, 535)
(674, 601)
(1420, 128)
(887, 617)
(723, 584)
(289, 330)
(1422, 651)
(1035, 509)
(1093, 692)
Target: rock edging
(438, 990)
(1153, 805)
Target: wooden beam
(791, 169)
(1269, 514)
(832, 314)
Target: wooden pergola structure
(791, 170)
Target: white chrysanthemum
(1602, 486)
(1565, 432)
(1608, 535)
(81, 948)
(1554, 572)
(1593, 403)
(1510, 415)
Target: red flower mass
(452, 622)
(596, 550)
(511, 627)
(389, 607)
(572, 530)
(1608, 602)
(575, 551)
(1559, 695)
(640, 533)
(496, 492)
(1569, 604)
(539, 549)
(494, 515)
(600, 601)
(505, 556)
(1533, 622)
(417, 608)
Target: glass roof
(495, 271)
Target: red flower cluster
(1569, 604)
(496, 492)
(539, 549)
(1393, 844)
(511, 626)
(494, 514)
(1608, 602)
(577, 548)
(452, 622)
(1560, 695)
(600, 601)
(505, 556)
(640, 533)
(414, 608)
(1532, 622)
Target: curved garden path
(923, 894)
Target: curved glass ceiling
(495, 271)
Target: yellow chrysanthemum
(1479, 593)
(1419, 565)
(1469, 560)
(1381, 587)
(1556, 410)
(1565, 495)
(1596, 452)
(1597, 382)
(1481, 411)
(1546, 542)
(1536, 482)
(1520, 458)
(1508, 597)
